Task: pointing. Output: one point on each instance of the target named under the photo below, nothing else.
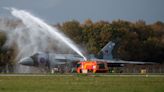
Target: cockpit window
(34, 57)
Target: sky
(59, 11)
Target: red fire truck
(91, 66)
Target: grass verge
(81, 84)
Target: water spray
(31, 21)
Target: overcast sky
(59, 11)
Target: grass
(80, 84)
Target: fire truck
(91, 67)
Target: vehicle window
(78, 65)
(101, 66)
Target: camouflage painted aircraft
(49, 60)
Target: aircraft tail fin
(106, 51)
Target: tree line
(135, 41)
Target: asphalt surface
(107, 75)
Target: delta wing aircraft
(50, 60)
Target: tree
(73, 30)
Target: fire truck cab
(91, 66)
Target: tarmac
(107, 75)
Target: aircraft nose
(27, 61)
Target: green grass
(80, 84)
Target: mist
(32, 35)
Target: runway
(94, 75)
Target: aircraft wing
(122, 61)
(71, 57)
